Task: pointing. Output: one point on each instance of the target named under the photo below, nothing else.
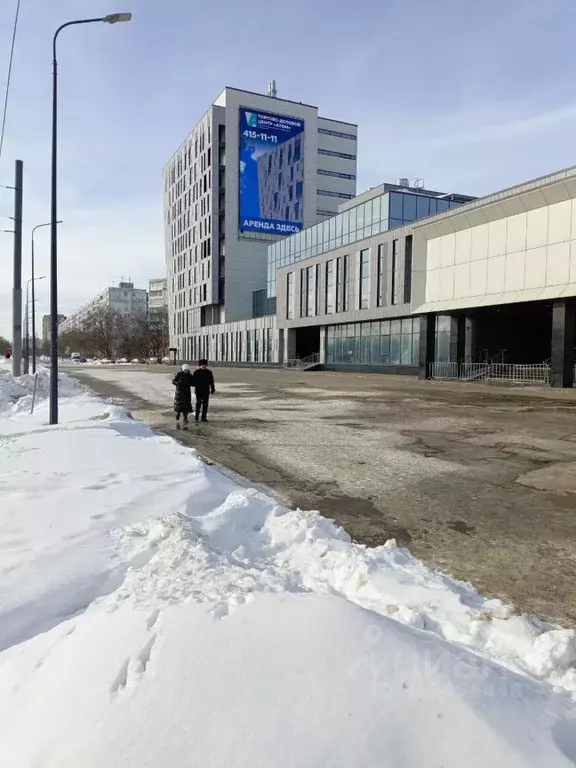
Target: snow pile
(154, 613)
(16, 393)
(246, 546)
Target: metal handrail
(301, 363)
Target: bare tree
(158, 334)
(109, 334)
(101, 327)
(77, 340)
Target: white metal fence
(444, 371)
(516, 373)
(302, 363)
(512, 373)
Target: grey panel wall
(393, 281)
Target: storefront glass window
(379, 343)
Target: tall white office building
(254, 169)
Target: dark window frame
(408, 246)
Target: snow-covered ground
(155, 614)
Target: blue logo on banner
(271, 172)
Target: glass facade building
(378, 343)
(387, 211)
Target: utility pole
(17, 292)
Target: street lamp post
(34, 298)
(27, 345)
(110, 19)
(26, 333)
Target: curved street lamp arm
(69, 24)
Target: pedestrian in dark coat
(203, 383)
(183, 395)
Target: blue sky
(472, 97)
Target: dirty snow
(154, 613)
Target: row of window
(335, 174)
(380, 214)
(384, 342)
(254, 346)
(336, 289)
(201, 141)
(338, 134)
(331, 153)
(393, 282)
(329, 193)
(183, 161)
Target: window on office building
(290, 295)
(379, 343)
(345, 282)
(331, 153)
(338, 134)
(338, 283)
(393, 275)
(408, 270)
(364, 293)
(330, 287)
(442, 345)
(381, 274)
(311, 292)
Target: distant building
(157, 295)
(46, 327)
(123, 300)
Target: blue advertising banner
(271, 172)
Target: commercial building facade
(326, 290)
(254, 169)
(484, 290)
(498, 277)
(124, 300)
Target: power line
(9, 77)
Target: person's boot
(177, 424)
(185, 425)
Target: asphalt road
(480, 482)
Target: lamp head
(113, 18)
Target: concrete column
(469, 336)
(323, 334)
(280, 358)
(563, 339)
(427, 344)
